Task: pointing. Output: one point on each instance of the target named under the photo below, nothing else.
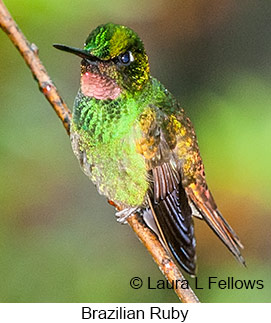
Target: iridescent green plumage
(110, 40)
(135, 143)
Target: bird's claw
(123, 215)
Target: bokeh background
(59, 240)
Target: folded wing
(173, 216)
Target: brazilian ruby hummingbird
(134, 141)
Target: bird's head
(114, 62)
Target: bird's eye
(126, 58)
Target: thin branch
(161, 257)
(30, 54)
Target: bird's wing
(167, 198)
(172, 157)
(197, 191)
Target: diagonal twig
(29, 51)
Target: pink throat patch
(99, 87)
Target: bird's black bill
(77, 51)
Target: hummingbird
(134, 141)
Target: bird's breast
(115, 168)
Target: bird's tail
(203, 201)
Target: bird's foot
(122, 215)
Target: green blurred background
(59, 240)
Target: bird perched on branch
(134, 141)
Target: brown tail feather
(207, 208)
